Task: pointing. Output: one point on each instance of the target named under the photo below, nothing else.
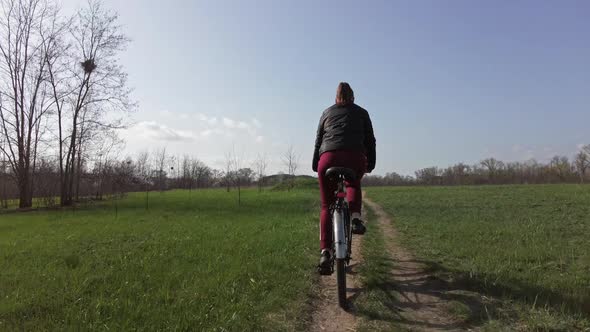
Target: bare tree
(85, 92)
(3, 178)
(493, 166)
(455, 174)
(143, 171)
(107, 149)
(199, 173)
(429, 175)
(161, 160)
(582, 162)
(560, 165)
(291, 161)
(236, 166)
(260, 165)
(173, 171)
(228, 169)
(217, 177)
(186, 181)
(25, 24)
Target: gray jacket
(345, 127)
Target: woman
(345, 138)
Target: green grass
(195, 262)
(13, 204)
(527, 245)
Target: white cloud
(229, 123)
(516, 148)
(243, 125)
(240, 125)
(156, 131)
(214, 131)
(189, 127)
(528, 154)
(256, 123)
(211, 121)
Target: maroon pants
(354, 160)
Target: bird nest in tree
(88, 65)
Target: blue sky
(444, 81)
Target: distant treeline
(492, 171)
(103, 176)
(159, 171)
(107, 175)
(110, 177)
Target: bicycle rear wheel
(341, 280)
(348, 229)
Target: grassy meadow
(528, 245)
(193, 261)
(198, 261)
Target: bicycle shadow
(473, 301)
(514, 289)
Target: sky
(443, 81)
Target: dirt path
(423, 301)
(328, 316)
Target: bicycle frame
(341, 236)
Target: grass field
(195, 262)
(525, 244)
(198, 261)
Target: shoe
(358, 226)
(325, 266)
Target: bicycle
(341, 229)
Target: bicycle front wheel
(341, 280)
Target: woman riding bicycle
(344, 139)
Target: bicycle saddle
(335, 172)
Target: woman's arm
(370, 143)
(318, 144)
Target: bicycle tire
(341, 281)
(348, 228)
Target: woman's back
(345, 128)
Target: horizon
(443, 83)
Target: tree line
(106, 175)
(560, 169)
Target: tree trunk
(70, 163)
(25, 197)
(79, 171)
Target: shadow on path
(428, 299)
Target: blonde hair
(344, 94)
